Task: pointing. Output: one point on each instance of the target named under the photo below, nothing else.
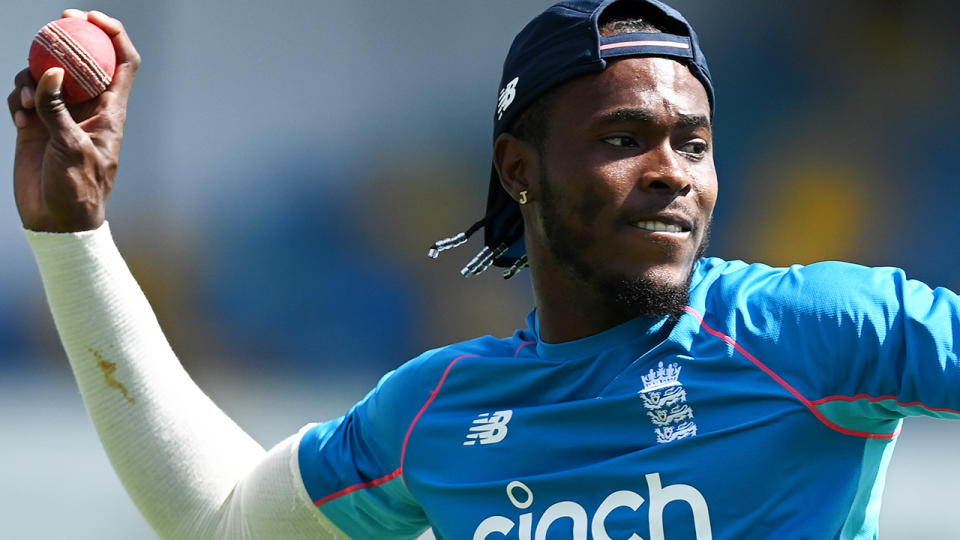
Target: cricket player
(653, 394)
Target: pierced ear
(517, 164)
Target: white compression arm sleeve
(191, 470)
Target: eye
(695, 148)
(621, 141)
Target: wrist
(73, 224)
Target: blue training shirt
(769, 410)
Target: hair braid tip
(467, 270)
(521, 263)
(447, 243)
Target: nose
(664, 171)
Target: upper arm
(352, 466)
(334, 481)
(271, 502)
(864, 342)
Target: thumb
(51, 108)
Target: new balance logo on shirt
(489, 428)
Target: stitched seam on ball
(101, 79)
(90, 71)
(67, 58)
(88, 60)
(99, 76)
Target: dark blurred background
(287, 164)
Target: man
(655, 394)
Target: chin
(656, 293)
(669, 274)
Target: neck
(568, 309)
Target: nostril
(658, 184)
(668, 186)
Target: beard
(626, 296)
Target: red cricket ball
(82, 49)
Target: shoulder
(383, 417)
(432, 364)
(821, 287)
(836, 304)
(410, 385)
(713, 270)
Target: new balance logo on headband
(506, 96)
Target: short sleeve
(865, 346)
(351, 466)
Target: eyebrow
(643, 116)
(693, 121)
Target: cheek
(588, 187)
(709, 191)
(591, 204)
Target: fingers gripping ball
(84, 52)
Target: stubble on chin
(650, 297)
(626, 296)
(632, 297)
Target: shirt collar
(638, 329)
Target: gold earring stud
(523, 197)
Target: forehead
(660, 86)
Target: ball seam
(101, 77)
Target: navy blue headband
(564, 42)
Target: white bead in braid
(519, 265)
(483, 260)
(447, 243)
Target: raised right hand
(66, 157)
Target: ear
(518, 165)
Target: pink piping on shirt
(516, 354)
(433, 396)
(873, 399)
(796, 393)
(403, 452)
(358, 487)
